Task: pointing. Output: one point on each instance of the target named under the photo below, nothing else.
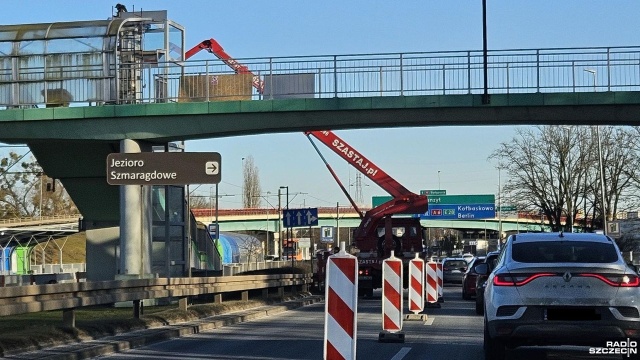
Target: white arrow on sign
(212, 168)
(299, 216)
(310, 217)
(288, 219)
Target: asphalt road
(453, 331)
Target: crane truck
(379, 231)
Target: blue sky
(413, 156)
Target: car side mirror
(482, 269)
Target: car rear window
(455, 263)
(564, 251)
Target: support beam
(183, 304)
(217, 298)
(69, 318)
(135, 222)
(138, 308)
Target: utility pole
(499, 210)
(280, 223)
(337, 223)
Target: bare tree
(26, 191)
(251, 184)
(555, 170)
(250, 248)
(201, 202)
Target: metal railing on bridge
(392, 74)
(40, 220)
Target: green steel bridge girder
(162, 122)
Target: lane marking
(429, 321)
(401, 354)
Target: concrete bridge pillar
(135, 222)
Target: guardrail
(68, 296)
(594, 69)
(39, 220)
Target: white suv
(560, 289)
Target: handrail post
(608, 69)
(468, 72)
(270, 79)
(573, 75)
(444, 79)
(335, 76)
(538, 70)
(401, 77)
(208, 85)
(507, 76)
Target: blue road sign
(460, 211)
(326, 234)
(300, 217)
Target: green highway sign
(433, 192)
(508, 208)
(445, 199)
(462, 199)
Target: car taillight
(517, 279)
(363, 272)
(616, 280)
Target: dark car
(453, 269)
(469, 278)
(490, 260)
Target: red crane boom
(213, 47)
(403, 202)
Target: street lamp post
(604, 206)
(438, 179)
(595, 77)
(499, 209)
(242, 187)
(287, 229)
(485, 55)
(568, 179)
(280, 224)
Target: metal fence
(366, 75)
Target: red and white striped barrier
(440, 282)
(341, 307)
(392, 294)
(432, 282)
(416, 285)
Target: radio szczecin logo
(625, 347)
